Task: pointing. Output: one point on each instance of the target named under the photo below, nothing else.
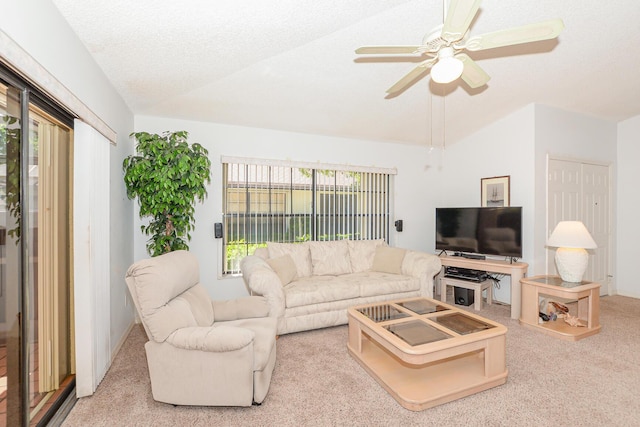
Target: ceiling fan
(445, 45)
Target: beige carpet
(592, 382)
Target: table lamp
(571, 238)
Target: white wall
(411, 186)
(518, 145)
(505, 147)
(627, 218)
(569, 135)
(515, 145)
(40, 30)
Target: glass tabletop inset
(382, 313)
(462, 324)
(557, 281)
(416, 332)
(422, 306)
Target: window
(276, 202)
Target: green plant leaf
(167, 176)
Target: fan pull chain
(444, 119)
(431, 121)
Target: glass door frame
(29, 95)
(22, 270)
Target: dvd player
(466, 274)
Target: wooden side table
(586, 293)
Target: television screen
(488, 231)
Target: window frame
(362, 194)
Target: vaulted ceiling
(290, 64)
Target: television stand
(517, 270)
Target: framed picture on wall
(494, 191)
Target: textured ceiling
(290, 64)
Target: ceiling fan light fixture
(447, 69)
(445, 45)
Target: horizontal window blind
(273, 202)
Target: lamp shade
(448, 68)
(571, 234)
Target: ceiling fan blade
(387, 49)
(525, 34)
(411, 76)
(459, 17)
(472, 74)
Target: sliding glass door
(11, 275)
(36, 328)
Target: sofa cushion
(330, 258)
(327, 289)
(262, 252)
(318, 289)
(361, 253)
(284, 267)
(299, 253)
(388, 260)
(372, 283)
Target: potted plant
(167, 175)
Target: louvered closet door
(579, 191)
(596, 216)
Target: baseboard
(123, 338)
(627, 294)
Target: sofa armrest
(423, 266)
(262, 280)
(211, 338)
(240, 308)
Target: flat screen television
(486, 231)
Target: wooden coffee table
(425, 352)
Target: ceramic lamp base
(572, 263)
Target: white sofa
(310, 285)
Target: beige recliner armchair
(201, 351)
